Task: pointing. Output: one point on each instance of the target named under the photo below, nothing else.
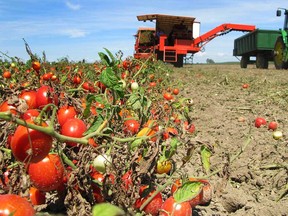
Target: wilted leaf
(205, 157)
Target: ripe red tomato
(7, 107)
(76, 79)
(30, 113)
(154, 205)
(12, 204)
(64, 113)
(37, 197)
(30, 98)
(167, 96)
(168, 132)
(272, 125)
(36, 65)
(30, 145)
(45, 95)
(259, 122)
(47, 76)
(171, 208)
(245, 85)
(127, 180)
(152, 84)
(189, 127)
(74, 128)
(175, 91)
(131, 126)
(7, 74)
(101, 86)
(47, 174)
(86, 86)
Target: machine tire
(279, 53)
(244, 61)
(261, 61)
(179, 62)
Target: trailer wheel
(279, 49)
(261, 61)
(179, 62)
(244, 61)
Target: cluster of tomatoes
(113, 112)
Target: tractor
(281, 44)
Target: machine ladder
(170, 55)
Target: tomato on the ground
(131, 126)
(37, 197)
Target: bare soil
(249, 168)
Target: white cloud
(72, 6)
(75, 33)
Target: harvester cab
(281, 45)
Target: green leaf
(113, 59)
(205, 157)
(135, 144)
(112, 81)
(104, 58)
(95, 125)
(187, 191)
(106, 209)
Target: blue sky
(79, 29)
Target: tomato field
(130, 137)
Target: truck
(173, 37)
(264, 46)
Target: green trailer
(260, 44)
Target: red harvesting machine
(174, 37)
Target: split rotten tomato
(12, 204)
(29, 145)
(47, 174)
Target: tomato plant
(29, 145)
(12, 204)
(73, 127)
(47, 174)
